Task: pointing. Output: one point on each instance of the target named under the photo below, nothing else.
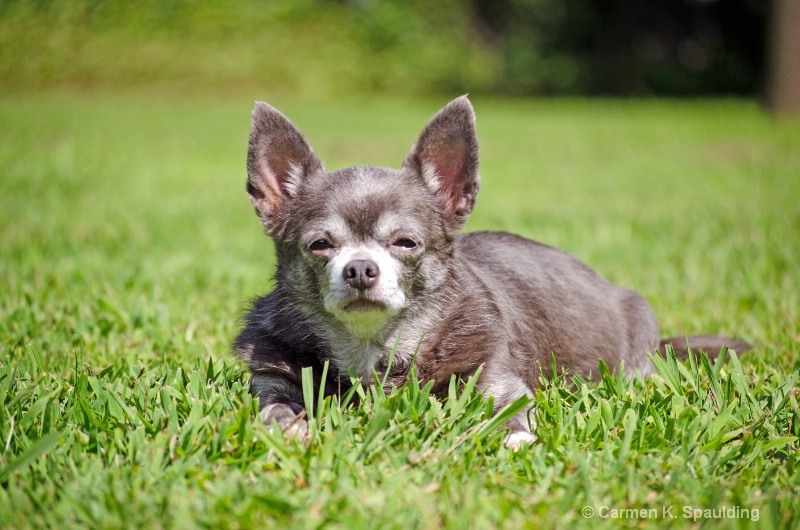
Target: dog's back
(552, 302)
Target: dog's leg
(293, 425)
(506, 386)
(281, 402)
(517, 439)
(520, 427)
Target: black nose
(361, 273)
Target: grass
(128, 247)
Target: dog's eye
(405, 243)
(320, 244)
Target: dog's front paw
(297, 430)
(293, 425)
(515, 440)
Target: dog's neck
(361, 346)
(364, 341)
(402, 333)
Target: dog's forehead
(369, 202)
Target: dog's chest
(363, 356)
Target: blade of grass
(503, 415)
(41, 446)
(307, 378)
(391, 357)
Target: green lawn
(128, 248)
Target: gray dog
(370, 257)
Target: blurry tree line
(622, 47)
(328, 47)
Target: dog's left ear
(446, 157)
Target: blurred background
(626, 132)
(329, 48)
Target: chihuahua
(370, 262)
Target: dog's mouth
(362, 304)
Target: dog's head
(363, 243)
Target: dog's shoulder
(503, 252)
(481, 242)
(506, 251)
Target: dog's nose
(361, 273)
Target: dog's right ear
(278, 159)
